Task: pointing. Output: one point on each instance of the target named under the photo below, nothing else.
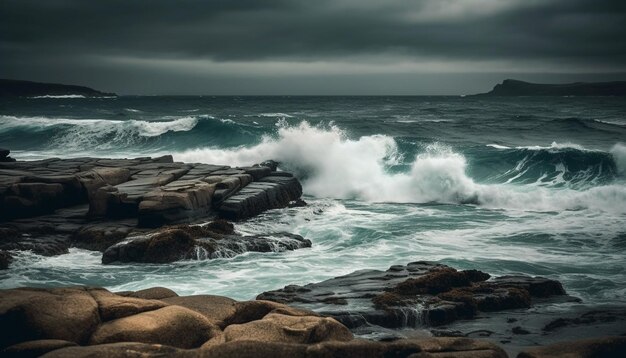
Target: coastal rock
(118, 350)
(45, 245)
(270, 192)
(35, 348)
(217, 309)
(95, 203)
(69, 314)
(414, 348)
(197, 242)
(153, 293)
(52, 321)
(99, 237)
(418, 293)
(248, 311)
(173, 325)
(112, 306)
(175, 202)
(276, 327)
(606, 347)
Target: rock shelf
(48, 206)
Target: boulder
(167, 246)
(217, 309)
(276, 327)
(112, 306)
(153, 293)
(198, 242)
(35, 348)
(118, 350)
(69, 314)
(248, 311)
(254, 349)
(414, 348)
(172, 325)
(100, 237)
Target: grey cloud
(581, 34)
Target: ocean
(524, 185)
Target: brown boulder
(173, 325)
(254, 349)
(112, 306)
(247, 311)
(216, 309)
(35, 348)
(69, 314)
(117, 350)
(152, 293)
(166, 246)
(289, 329)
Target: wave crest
(333, 165)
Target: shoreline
(148, 210)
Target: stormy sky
(311, 46)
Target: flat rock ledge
(156, 191)
(48, 206)
(86, 322)
(418, 294)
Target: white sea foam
(79, 134)
(557, 146)
(334, 166)
(498, 146)
(619, 156)
(275, 115)
(142, 128)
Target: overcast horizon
(295, 47)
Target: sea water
(519, 185)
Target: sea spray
(619, 154)
(335, 166)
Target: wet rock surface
(214, 240)
(82, 321)
(420, 293)
(48, 206)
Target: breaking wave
(93, 133)
(333, 165)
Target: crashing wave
(332, 165)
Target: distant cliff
(14, 88)
(521, 88)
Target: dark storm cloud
(554, 35)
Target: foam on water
(334, 166)
(619, 154)
(82, 134)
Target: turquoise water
(521, 185)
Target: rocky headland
(18, 88)
(511, 87)
(155, 210)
